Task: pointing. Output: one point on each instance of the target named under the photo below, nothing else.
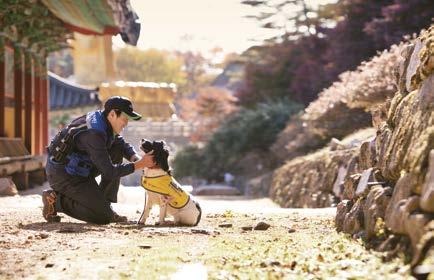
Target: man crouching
(88, 147)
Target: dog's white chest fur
(188, 215)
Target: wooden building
(154, 101)
(29, 31)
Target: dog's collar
(151, 152)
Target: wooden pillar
(28, 92)
(2, 89)
(9, 90)
(37, 107)
(18, 88)
(45, 107)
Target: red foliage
(207, 111)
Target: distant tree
(324, 43)
(151, 65)
(207, 111)
(292, 69)
(292, 18)
(348, 43)
(194, 68)
(402, 17)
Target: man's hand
(135, 158)
(145, 161)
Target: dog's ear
(146, 145)
(161, 155)
(164, 160)
(158, 145)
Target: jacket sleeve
(127, 149)
(94, 143)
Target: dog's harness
(167, 185)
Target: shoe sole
(49, 218)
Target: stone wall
(393, 194)
(308, 181)
(386, 185)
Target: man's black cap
(122, 104)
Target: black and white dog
(163, 190)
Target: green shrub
(187, 162)
(248, 130)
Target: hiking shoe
(49, 209)
(118, 218)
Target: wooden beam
(28, 92)
(2, 92)
(45, 107)
(37, 106)
(18, 89)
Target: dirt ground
(299, 244)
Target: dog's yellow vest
(167, 185)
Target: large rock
(7, 187)
(362, 189)
(410, 75)
(353, 165)
(338, 185)
(415, 227)
(350, 185)
(379, 115)
(426, 93)
(342, 209)
(367, 155)
(427, 195)
(402, 67)
(398, 213)
(425, 246)
(402, 190)
(382, 141)
(404, 143)
(375, 208)
(353, 222)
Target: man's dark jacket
(91, 148)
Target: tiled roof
(67, 95)
(98, 17)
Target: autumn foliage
(303, 64)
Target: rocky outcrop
(399, 198)
(308, 181)
(386, 185)
(317, 180)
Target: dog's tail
(200, 213)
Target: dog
(163, 190)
